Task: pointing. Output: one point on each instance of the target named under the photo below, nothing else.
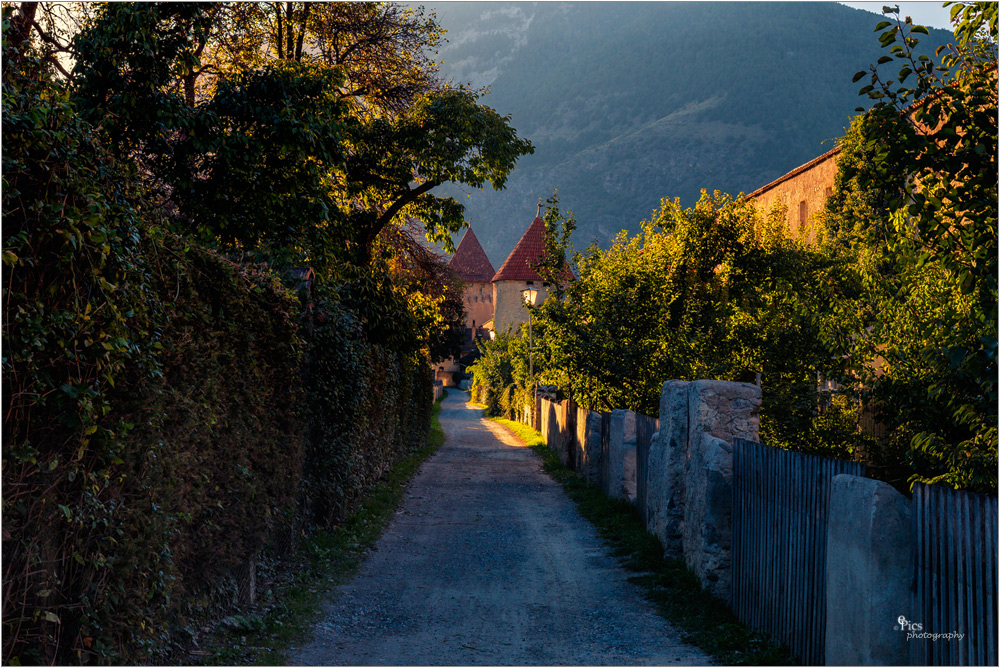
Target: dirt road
(488, 562)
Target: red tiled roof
(470, 261)
(517, 266)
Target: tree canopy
(309, 147)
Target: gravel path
(488, 562)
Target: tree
(711, 291)
(278, 153)
(383, 48)
(933, 136)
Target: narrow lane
(487, 562)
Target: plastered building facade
(516, 275)
(803, 192)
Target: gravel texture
(487, 562)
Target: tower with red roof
(516, 275)
(473, 267)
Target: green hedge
(170, 416)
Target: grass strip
(703, 620)
(289, 610)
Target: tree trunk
(189, 88)
(289, 33)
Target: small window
(829, 193)
(545, 285)
(529, 282)
(803, 211)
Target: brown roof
(795, 172)
(517, 266)
(470, 261)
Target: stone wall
(689, 475)
(868, 573)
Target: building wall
(510, 312)
(478, 301)
(803, 192)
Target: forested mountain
(627, 103)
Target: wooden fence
(955, 559)
(645, 427)
(781, 501)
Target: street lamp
(529, 297)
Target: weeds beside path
(705, 620)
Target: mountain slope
(628, 103)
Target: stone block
(629, 480)
(579, 439)
(622, 431)
(563, 430)
(718, 412)
(665, 468)
(868, 546)
(708, 528)
(551, 424)
(590, 465)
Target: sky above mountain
(928, 14)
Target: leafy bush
(169, 413)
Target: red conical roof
(470, 261)
(527, 252)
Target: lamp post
(529, 297)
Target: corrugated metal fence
(781, 501)
(645, 427)
(955, 559)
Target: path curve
(487, 562)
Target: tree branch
(407, 197)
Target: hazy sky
(930, 14)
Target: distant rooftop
(470, 261)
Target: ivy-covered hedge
(368, 404)
(170, 416)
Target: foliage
(261, 158)
(500, 376)
(275, 154)
(932, 326)
(383, 48)
(79, 319)
(325, 558)
(712, 291)
(166, 423)
(435, 292)
(369, 404)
